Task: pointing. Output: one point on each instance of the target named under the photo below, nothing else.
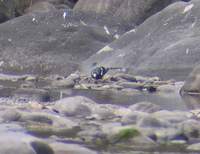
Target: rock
(47, 35)
(92, 134)
(62, 148)
(40, 7)
(10, 115)
(145, 107)
(128, 12)
(128, 137)
(67, 3)
(20, 143)
(41, 147)
(122, 76)
(133, 85)
(166, 88)
(191, 101)
(154, 47)
(35, 106)
(152, 122)
(194, 147)
(65, 83)
(103, 112)
(169, 136)
(191, 128)
(173, 117)
(192, 83)
(12, 8)
(133, 117)
(36, 117)
(120, 133)
(78, 106)
(45, 125)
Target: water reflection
(168, 101)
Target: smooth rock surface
(165, 45)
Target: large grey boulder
(130, 12)
(166, 44)
(46, 43)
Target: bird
(99, 72)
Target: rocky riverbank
(77, 124)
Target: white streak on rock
(187, 51)
(132, 30)
(83, 23)
(105, 49)
(106, 29)
(188, 8)
(121, 55)
(64, 15)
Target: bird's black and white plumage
(99, 72)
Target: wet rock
(133, 117)
(172, 117)
(11, 127)
(41, 147)
(125, 77)
(35, 106)
(133, 85)
(166, 88)
(192, 83)
(20, 143)
(65, 83)
(191, 128)
(169, 136)
(128, 137)
(194, 147)
(93, 135)
(60, 127)
(62, 148)
(36, 117)
(145, 107)
(78, 106)
(152, 122)
(10, 115)
(103, 112)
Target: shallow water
(171, 101)
(168, 101)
